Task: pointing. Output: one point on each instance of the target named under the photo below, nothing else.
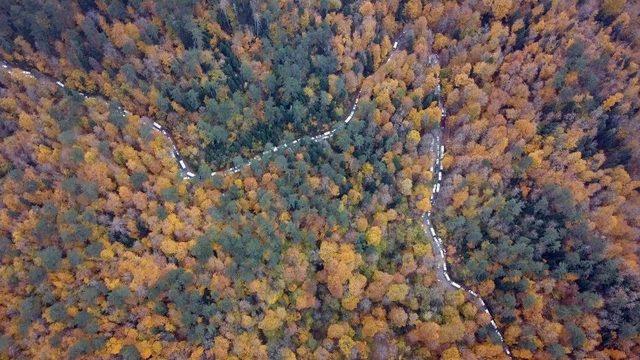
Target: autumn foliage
(318, 251)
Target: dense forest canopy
(318, 250)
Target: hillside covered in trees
(318, 251)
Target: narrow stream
(436, 147)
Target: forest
(318, 251)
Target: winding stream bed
(436, 148)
